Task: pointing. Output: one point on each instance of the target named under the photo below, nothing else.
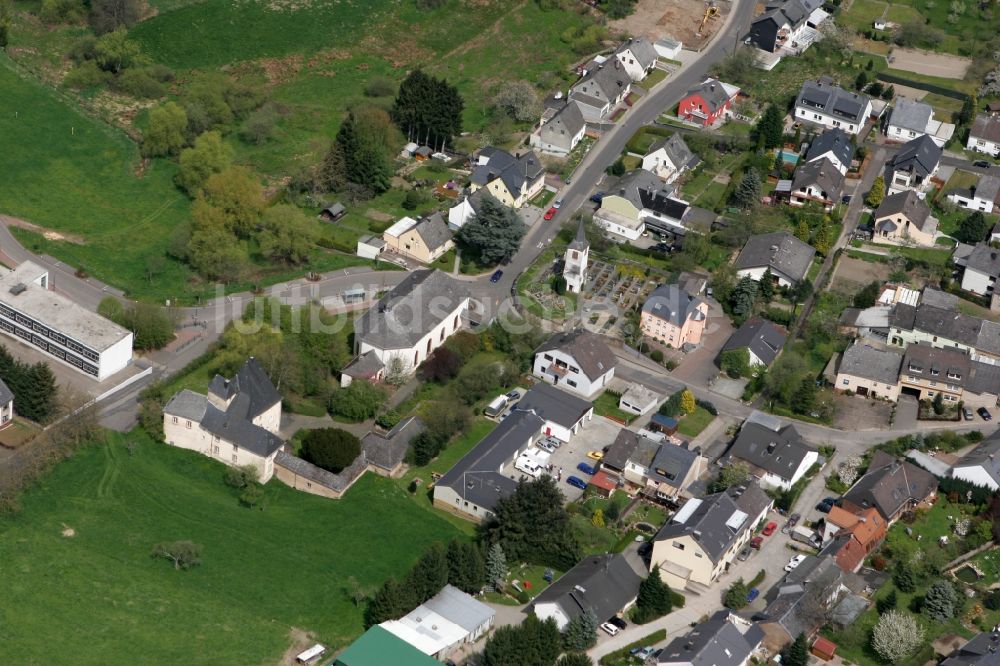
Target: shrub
(333, 449)
(139, 83)
(85, 75)
(708, 407)
(656, 355)
(241, 477)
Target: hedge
(920, 85)
(645, 641)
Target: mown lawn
(692, 424)
(263, 572)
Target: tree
(365, 141)
(747, 193)
(672, 405)
(804, 400)
(232, 197)
(735, 362)
(258, 128)
(785, 376)
(532, 643)
(821, 240)
(6, 18)
(896, 636)
(252, 495)
(241, 477)
(518, 100)
(494, 234)
(466, 567)
(904, 579)
(802, 231)
(109, 15)
(687, 401)
(797, 653)
(801, 291)
(425, 447)
(152, 326)
(886, 603)
(736, 596)
(968, 111)
(287, 234)
(597, 518)
(733, 474)
(35, 391)
(428, 109)
(973, 228)
(654, 600)
(868, 295)
(359, 401)
(445, 418)
(575, 659)
(938, 404)
(918, 33)
(617, 168)
(939, 601)
(213, 252)
(765, 288)
(429, 574)
(861, 81)
(114, 51)
(183, 554)
(876, 193)
(391, 601)
(580, 633)
(743, 297)
(165, 134)
(441, 366)
(208, 155)
(332, 449)
(496, 567)
(770, 128)
(532, 525)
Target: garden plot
(930, 64)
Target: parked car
(496, 276)
(967, 413)
(823, 507)
(756, 542)
(792, 520)
(554, 441)
(595, 455)
(550, 213)
(846, 199)
(545, 446)
(514, 395)
(795, 562)
(645, 653)
(597, 197)
(610, 629)
(984, 414)
(752, 594)
(576, 482)
(744, 554)
(557, 204)
(586, 469)
(769, 528)
(618, 622)
(982, 164)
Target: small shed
(333, 212)
(423, 153)
(408, 150)
(665, 424)
(824, 648)
(370, 247)
(603, 483)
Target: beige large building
(904, 218)
(425, 239)
(868, 370)
(512, 180)
(673, 317)
(237, 423)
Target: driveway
(906, 413)
(698, 366)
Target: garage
(863, 391)
(910, 391)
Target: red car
(550, 213)
(756, 542)
(769, 528)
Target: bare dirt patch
(301, 640)
(47, 233)
(930, 64)
(855, 273)
(378, 215)
(678, 19)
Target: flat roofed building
(379, 647)
(442, 623)
(37, 316)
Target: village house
(6, 405)
(788, 26)
(825, 103)
(708, 103)
(511, 180)
(465, 209)
(982, 268)
(424, 240)
(833, 145)
(904, 218)
(641, 199)
(819, 182)
(237, 423)
(605, 84)
(762, 339)
(981, 465)
(673, 317)
(637, 56)
(669, 158)
(929, 371)
(984, 137)
(935, 321)
(891, 486)
(725, 639)
(869, 371)
(702, 539)
(776, 458)
(661, 469)
(606, 585)
(911, 119)
(785, 256)
(444, 623)
(578, 360)
(913, 166)
(980, 650)
(561, 133)
(984, 196)
(852, 544)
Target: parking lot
(596, 434)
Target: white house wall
(976, 282)
(115, 357)
(190, 435)
(757, 273)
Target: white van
(528, 466)
(495, 408)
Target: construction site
(692, 22)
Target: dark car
(576, 482)
(846, 199)
(756, 542)
(823, 507)
(982, 164)
(984, 414)
(597, 197)
(744, 554)
(618, 622)
(496, 277)
(752, 594)
(586, 469)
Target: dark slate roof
(251, 381)
(986, 127)
(816, 578)
(760, 336)
(779, 452)
(833, 100)
(985, 455)
(890, 484)
(945, 322)
(717, 520)
(911, 115)
(475, 477)
(387, 451)
(672, 304)
(642, 49)
(933, 363)
(563, 126)
(983, 649)
(6, 395)
(604, 584)
(234, 425)
(712, 91)
(779, 250)
(905, 203)
(365, 366)
(984, 259)
(671, 464)
(920, 156)
(640, 185)
(580, 242)
(610, 78)
(187, 404)
(834, 140)
(677, 151)
(515, 171)
(403, 316)
(984, 378)
(309, 471)
(823, 174)
(433, 231)
(618, 454)
(879, 365)
(793, 12)
(588, 349)
(553, 404)
(715, 642)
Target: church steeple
(577, 254)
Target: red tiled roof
(603, 481)
(825, 647)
